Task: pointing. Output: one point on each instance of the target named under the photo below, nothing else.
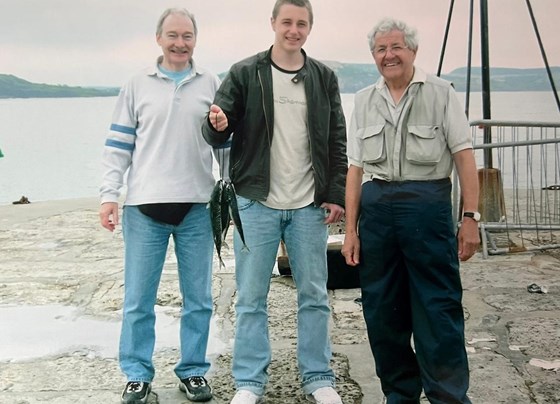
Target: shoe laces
(197, 381)
(134, 387)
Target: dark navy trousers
(411, 287)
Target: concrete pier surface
(61, 286)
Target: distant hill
(14, 87)
(355, 76)
(506, 79)
(351, 76)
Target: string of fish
(223, 209)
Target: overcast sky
(103, 42)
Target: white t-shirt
(291, 175)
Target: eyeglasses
(395, 50)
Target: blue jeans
(305, 234)
(146, 241)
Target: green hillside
(351, 76)
(14, 87)
(354, 76)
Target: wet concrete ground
(61, 295)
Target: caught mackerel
(223, 208)
(216, 217)
(231, 199)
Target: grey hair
(179, 11)
(387, 25)
(297, 3)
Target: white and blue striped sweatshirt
(155, 136)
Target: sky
(104, 42)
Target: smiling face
(394, 60)
(291, 27)
(177, 41)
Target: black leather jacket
(246, 98)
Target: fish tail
(215, 206)
(220, 260)
(234, 213)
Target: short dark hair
(179, 11)
(297, 3)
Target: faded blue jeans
(305, 234)
(146, 241)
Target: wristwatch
(473, 215)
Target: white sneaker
(324, 395)
(246, 397)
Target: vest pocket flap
(370, 131)
(425, 144)
(373, 144)
(424, 131)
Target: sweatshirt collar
(154, 70)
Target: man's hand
(217, 118)
(336, 212)
(468, 239)
(109, 215)
(351, 249)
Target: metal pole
(485, 59)
(444, 45)
(469, 61)
(543, 53)
(491, 196)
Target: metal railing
(520, 189)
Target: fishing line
(221, 159)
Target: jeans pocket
(244, 203)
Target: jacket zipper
(264, 109)
(311, 146)
(268, 135)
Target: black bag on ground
(341, 275)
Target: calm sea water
(52, 147)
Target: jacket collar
(265, 58)
(419, 76)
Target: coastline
(11, 214)
(70, 165)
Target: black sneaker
(136, 393)
(196, 388)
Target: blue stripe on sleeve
(123, 129)
(119, 145)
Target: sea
(52, 147)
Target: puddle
(28, 332)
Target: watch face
(473, 215)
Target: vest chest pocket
(425, 144)
(373, 141)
